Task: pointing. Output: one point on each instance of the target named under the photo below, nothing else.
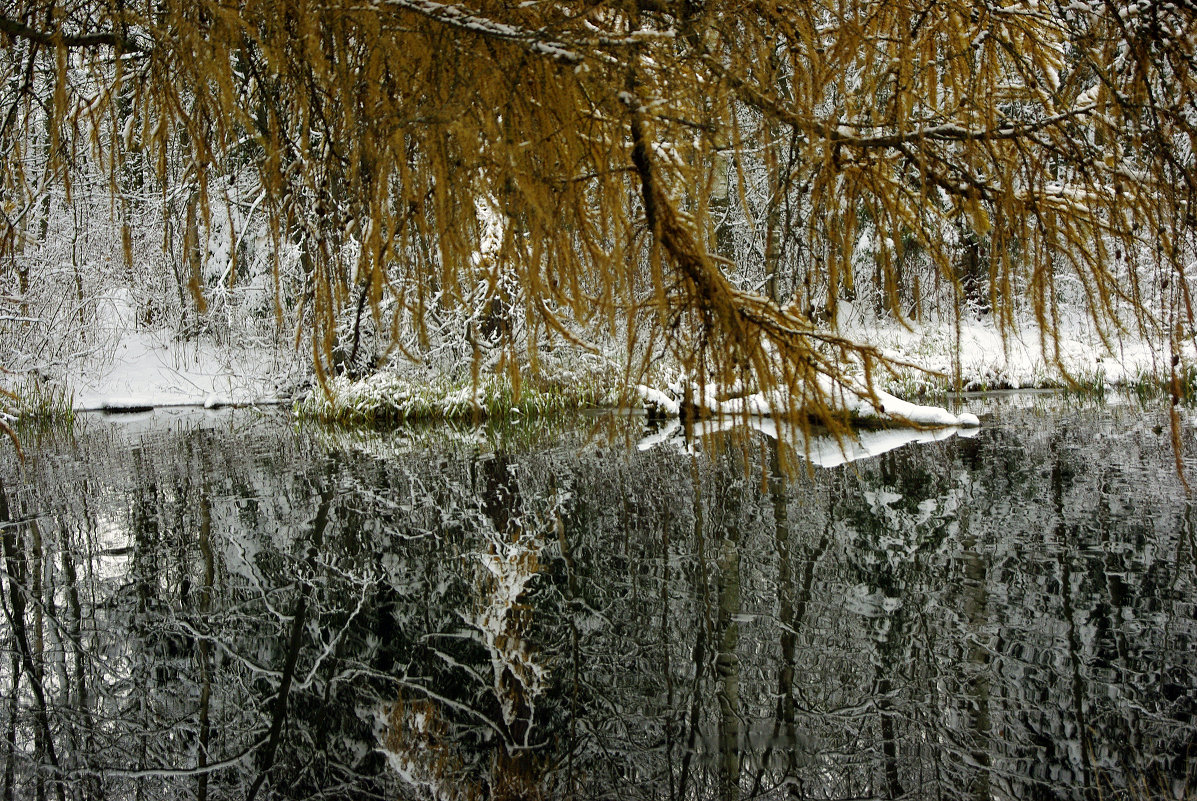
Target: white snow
(142, 368)
(655, 398)
(892, 407)
(987, 360)
(135, 367)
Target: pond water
(220, 605)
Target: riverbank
(931, 364)
(153, 369)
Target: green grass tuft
(387, 399)
(37, 402)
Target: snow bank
(656, 401)
(987, 360)
(145, 369)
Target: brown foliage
(1060, 135)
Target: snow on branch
(458, 17)
(19, 30)
(537, 41)
(951, 132)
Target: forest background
(722, 197)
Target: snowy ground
(989, 360)
(139, 368)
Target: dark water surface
(222, 606)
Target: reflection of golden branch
(502, 621)
(418, 742)
(12, 435)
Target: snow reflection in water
(820, 450)
(218, 606)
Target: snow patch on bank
(988, 360)
(133, 367)
(970, 355)
(143, 368)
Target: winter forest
(741, 194)
(526, 400)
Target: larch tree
(600, 149)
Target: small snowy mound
(125, 405)
(891, 407)
(656, 402)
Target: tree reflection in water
(218, 606)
